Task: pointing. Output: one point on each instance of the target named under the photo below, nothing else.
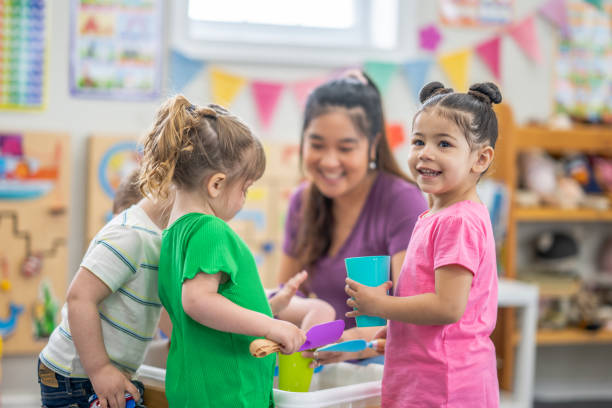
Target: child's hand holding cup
(370, 271)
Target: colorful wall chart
(116, 49)
(476, 13)
(34, 196)
(584, 81)
(22, 54)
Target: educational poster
(34, 196)
(110, 160)
(260, 222)
(583, 86)
(22, 54)
(476, 13)
(116, 49)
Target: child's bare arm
(445, 306)
(203, 304)
(307, 312)
(283, 296)
(84, 294)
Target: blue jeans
(57, 391)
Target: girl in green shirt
(208, 280)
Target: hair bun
(487, 92)
(431, 89)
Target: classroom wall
(80, 117)
(525, 86)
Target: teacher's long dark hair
(362, 100)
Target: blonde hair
(189, 143)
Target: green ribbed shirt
(207, 367)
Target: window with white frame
(322, 32)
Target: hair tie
(209, 113)
(442, 91)
(357, 75)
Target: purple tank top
(384, 227)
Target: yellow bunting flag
(225, 86)
(257, 194)
(456, 66)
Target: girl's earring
(372, 165)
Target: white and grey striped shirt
(125, 256)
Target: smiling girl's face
(440, 159)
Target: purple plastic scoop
(322, 334)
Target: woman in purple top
(356, 202)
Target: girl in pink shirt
(439, 352)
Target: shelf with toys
(558, 180)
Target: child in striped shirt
(112, 309)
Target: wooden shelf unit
(544, 214)
(571, 336)
(589, 139)
(513, 140)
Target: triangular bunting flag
(416, 73)
(225, 86)
(596, 3)
(555, 11)
(488, 51)
(395, 134)
(182, 70)
(266, 97)
(302, 89)
(380, 72)
(429, 37)
(456, 68)
(524, 34)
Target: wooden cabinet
(514, 140)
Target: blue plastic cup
(369, 271)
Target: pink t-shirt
(449, 365)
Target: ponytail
(188, 143)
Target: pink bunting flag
(266, 97)
(302, 89)
(555, 11)
(524, 34)
(488, 51)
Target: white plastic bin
(341, 385)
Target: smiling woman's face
(335, 153)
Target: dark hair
(471, 111)
(189, 143)
(128, 193)
(359, 97)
